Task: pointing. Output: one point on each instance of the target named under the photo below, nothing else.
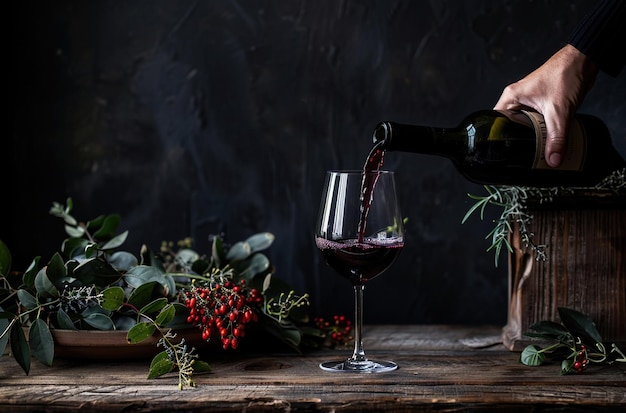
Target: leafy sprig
(575, 341)
(513, 202)
(92, 284)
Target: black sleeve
(602, 36)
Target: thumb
(556, 142)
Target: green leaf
(4, 324)
(31, 272)
(5, 259)
(166, 315)
(56, 269)
(579, 325)
(187, 256)
(140, 332)
(64, 321)
(115, 241)
(113, 298)
(160, 365)
(122, 260)
(74, 231)
(532, 356)
(108, 228)
(239, 251)
(27, 300)
(549, 330)
(41, 342)
(143, 294)
(154, 306)
(44, 286)
(19, 347)
(566, 366)
(217, 252)
(94, 225)
(180, 318)
(143, 274)
(73, 247)
(97, 272)
(91, 250)
(99, 321)
(260, 241)
(255, 265)
(200, 366)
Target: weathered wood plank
(436, 374)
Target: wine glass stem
(359, 354)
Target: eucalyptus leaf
(91, 250)
(142, 274)
(143, 294)
(115, 241)
(579, 325)
(99, 321)
(56, 269)
(187, 256)
(41, 342)
(217, 251)
(140, 332)
(73, 247)
(94, 225)
(19, 347)
(239, 251)
(28, 279)
(64, 321)
(74, 231)
(266, 283)
(27, 300)
(255, 265)
(532, 356)
(122, 260)
(96, 271)
(260, 241)
(108, 228)
(113, 298)
(44, 287)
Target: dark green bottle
(507, 148)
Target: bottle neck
(393, 136)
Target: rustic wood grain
(585, 267)
(438, 372)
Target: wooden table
(442, 368)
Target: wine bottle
(507, 148)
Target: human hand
(556, 89)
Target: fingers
(518, 96)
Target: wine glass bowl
(359, 232)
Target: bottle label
(575, 150)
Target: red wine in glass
(360, 234)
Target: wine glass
(359, 232)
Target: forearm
(601, 36)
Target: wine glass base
(369, 366)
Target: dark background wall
(199, 117)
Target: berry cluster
(223, 309)
(338, 331)
(581, 360)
